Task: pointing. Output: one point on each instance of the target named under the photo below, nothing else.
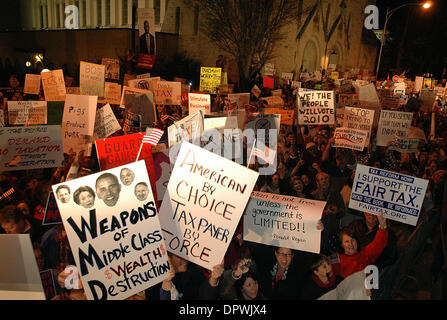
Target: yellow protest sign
(210, 79)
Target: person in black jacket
(320, 280)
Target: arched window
(310, 57)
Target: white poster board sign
(114, 232)
(27, 112)
(204, 201)
(316, 107)
(398, 196)
(393, 123)
(32, 84)
(78, 122)
(32, 147)
(92, 79)
(360, 119)
(283, 221)
(198, 101)
(105, 123)
(350, 138)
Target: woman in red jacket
(353, 259)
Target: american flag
(152, 136)
(7, 194)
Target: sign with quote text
(316, 107)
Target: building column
(162, 12)
(129, 13)
(103, 12)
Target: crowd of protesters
(308, 167)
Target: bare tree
(246, 29)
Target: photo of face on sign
(127, 176)
(108, 189)
(141, 191)
(63, 193)
(84, 196)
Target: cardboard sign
(112, 93)
(189, 128)
(350, 138)
(404, 145)
(393, 123)
(167, 92)
(91, 79)
(268, 82)
(130, 90)
(78, 122)
(33, 147)
(123, 239)
(399, 197)
(198, 101)
(32, 84)
(368, 93)
(48, 284)
(53, 84)
(27, 112)
(359, 119)
(132, 122)
(112, 68)
(287, 116)
(203, 204)
(283, 221)
(316, 107)
(105, 123)
(52, 214)
(19, 273)
(142, 104)
(210, 79)
(273, 101)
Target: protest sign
(27, 112)
(112, 93)
(19, 273)
(210, 79)
(404, 145)
(398, 196)
(132, 122)
(264, 123)
(283, 221)
(91, 79)
(112, 68)
(273, 101)
(359, 119)
(53, 85)
(393, 123)
(256, 91)
(368, 93)
(189, 128)
(241, 99)
(198, 101)
(52, 214)
(36, 147)
(228, 143)
(73, 90)
(114, 232)
(146, 31)
(142, 104)
(418, 83)
(350, 138)
(48, 284)
(203, 204)
(428, 97)
(286, 114)
(167, 92)
(78, 122)
(268, 82)
(399, 88)
(130, 90)
(316, 107)
(347, 99)
(146, 61)
(269, 70)
(287, 76)
(105, 123)
(32, 84)
(141, 83)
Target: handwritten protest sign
(142, 83)
(350, 138)
(55, 112)
(273, 101)
(114, 232)
(189, 128)
(359, 119)
(105, 123)
(36, 147)
(27, 112)
(368, 93)
(229, 141)
(393, 123)
(316, 107)
(53, 84)
(142, 104)
(203, 204)
(112, 69)
(210, 79)
(398, 196)
(286, 115)
(48, 283)
(198, 101)
(78, 122)
(240, 99)
(283, 221)
(32, 84)
(112, 93)
(256, 91)
(132, 122)
(52, 215)
(91, 79)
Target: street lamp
(389, 13)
